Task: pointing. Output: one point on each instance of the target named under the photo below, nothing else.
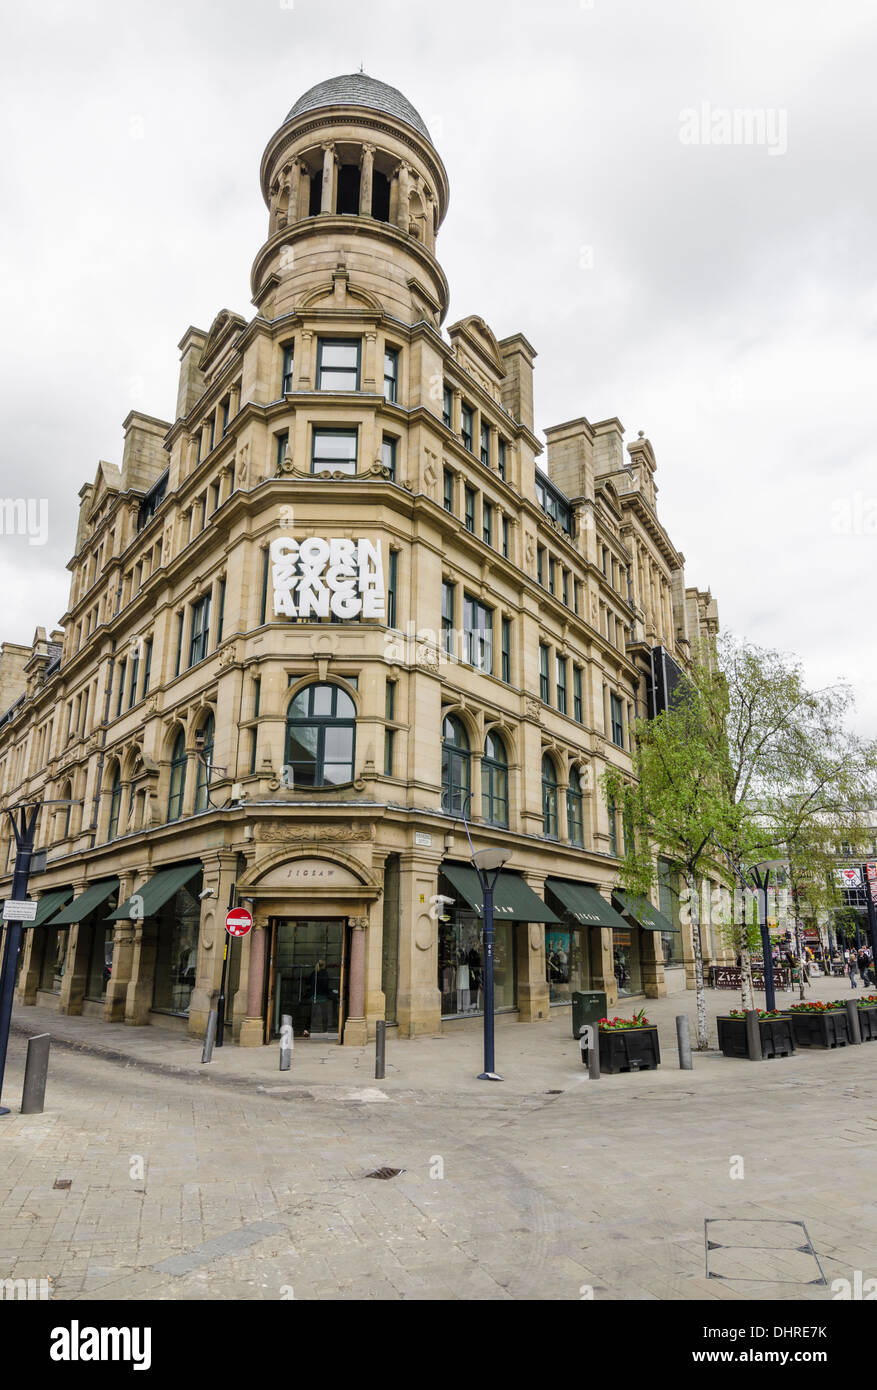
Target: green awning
(642, 911)
(94, 895)
(513, 899)
(152, 895)
(585, 903)
(49, 904)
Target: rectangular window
(200, 634)
(577, 694)
(214, 498)
(501, 458)
(544, 683)
(560, 677)
(566, 587)
(448, 605)
(449, 491)
(540, 564)
(389, 737)
(552, 571)
(616, 721)
(613, 828)
(338, 364)
(288, 365)
(392, 585)
(212, 433)
(605, 561)
(447, 406)
(334, 450)
(390, 700)
(263, 603)
(477, 634)
(487, 521)
(132, 687)
(220, 617)
(576, 586)
(147, 665)
(282, 446)
(505, 537)
(391, 375)
(470, 510)
(466, 418)
(507, 650)
(179, 659)
(388, 454)
(121, 698)
(254, 739)
(485, 444)
(257, 696)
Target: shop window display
(566, 963)
(177, 950)
(628, 972)
(461, 965)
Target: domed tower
(353, 183)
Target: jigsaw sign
(314, 578)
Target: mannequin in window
(462, 981)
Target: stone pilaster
(252, 1032)
(355, 1029)
(366, 178)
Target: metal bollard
(209, 1036)
(753, 1036)
(380, 1050)
(36, 1071)
(589, 1042)
(855, 1028)
(683, 1041)
(286, 1041)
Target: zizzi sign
(314, 578)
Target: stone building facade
(330, 621)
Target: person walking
(851, 968)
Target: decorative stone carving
(294, 832)
(427, 657)
(533, 708)
(242, 463)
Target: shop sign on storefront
(317, 577)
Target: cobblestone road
(187, 1189)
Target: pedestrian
(851, 968)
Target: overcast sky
(718, 296)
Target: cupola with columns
(352, 179)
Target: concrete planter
(618, 1049)
(777, 1039)
(820, 1030)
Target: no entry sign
(238, 921)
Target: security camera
(206, 893)
(442, 898)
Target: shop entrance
(308, 976)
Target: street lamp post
(489, 862)
(23, 829)
(762, 882)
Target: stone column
(355, 1030)
(365, 180)
(138, 999)
(327, 199)
(652, 964)
(253, 1029)
(123, 951)
(369, 379)
(602, 963)
(76, 964)
(293, 185)
(305, 369)
(404, 185)
(220, 869)
(29, 977)
(533, 992)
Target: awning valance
(152, 895)
(644, 913)
(585, 903)
(94, 895)
(513, 899)
(49, 904)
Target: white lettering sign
(314, 577)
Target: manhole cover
(761, 1251)
(385, 1173)
(63, 1182)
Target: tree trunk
(694, 906)
(747, 992)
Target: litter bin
(587, 1007)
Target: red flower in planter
(616, 1024)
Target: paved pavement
(236, 1181)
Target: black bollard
(753, 1036)
(209, 1036)
(36, 1071)
(380, 1050)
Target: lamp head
(488, 859)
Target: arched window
(575, 820)
(455, 766)
(320, 737)
(115, 803)
(178, 777)
(549, 798)
(495, 781)
(205, 765)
